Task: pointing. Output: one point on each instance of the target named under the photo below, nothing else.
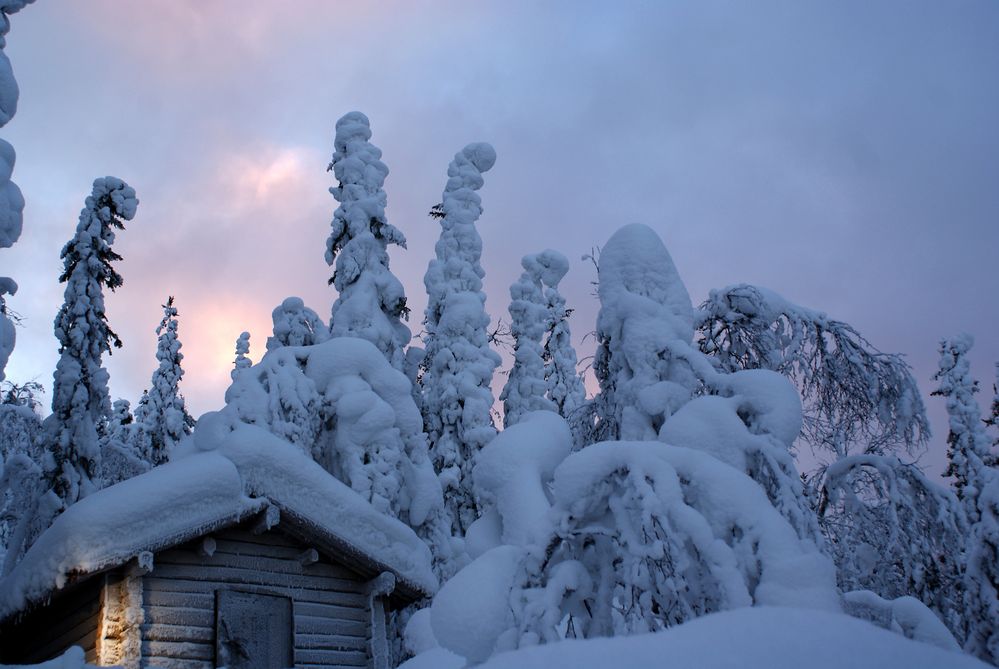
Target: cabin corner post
(378, 588)
(119, 640)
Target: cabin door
(253, 631)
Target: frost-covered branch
(894, 532)
(855, 397)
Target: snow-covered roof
(208, 491)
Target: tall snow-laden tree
(564, 384)
(981, 575)
(372, 302)
(11, 200)
(80, 400)
(644, 328)
(162, 416)
(525, 388)
(296, 325)
(242, 360)
(967, 443)
(993, 419)
(458, 365)
(856, 399)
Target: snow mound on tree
(757, 638)
(295, 389)
(513, 470)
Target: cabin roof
(208, 491)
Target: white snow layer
(751, 638)
(73, 658)
(143, 513)
(245, 468)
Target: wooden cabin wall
(331, 610)
(71, 620)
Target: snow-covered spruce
(242, 360)
(20, 476)
(967, 442)
(11, 200)
(856, 398)
(993, 419)
(525, 388)
(564, 384)
(372, 302)
(645, 316)
(296, 325)
(981, 576)
(161, 416)
(80, 400)
(345, 406)
(892, 531)
(122, 446)
(458, 365)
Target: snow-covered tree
(242, 355)
(20, 426)
(981, 576)
(372, 302)
(856, 398)
(123, 445)
(80, 400)
(564, 384)
(892, 531)
(967, 442)
(161, 416)
(525, 388)
(458, 365)
(343, 403)
(617, 538)
(993, 419)
(296, 325)
(644, 330)
(11, 200)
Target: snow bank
(73, 658)
(905, 615)
(108, 528)
(472, 611)
(756, 638)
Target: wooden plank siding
(331, 608)
(48, 631)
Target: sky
(843, 154)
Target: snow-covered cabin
(246, 556)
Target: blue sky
(843, 154)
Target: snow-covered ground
(748, 638)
